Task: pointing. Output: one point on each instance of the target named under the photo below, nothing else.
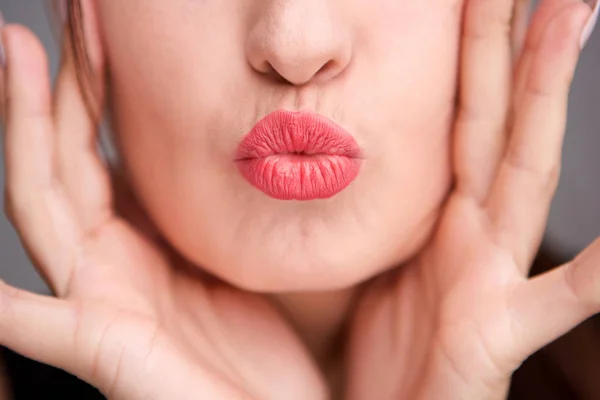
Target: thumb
(68, 335)
(549, 305)
(38, 327)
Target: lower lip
(298, 177)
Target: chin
(309, 257)
(337, 269)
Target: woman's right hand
(126, 318)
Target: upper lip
(296, 132)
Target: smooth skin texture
(136, 320)
(226, 65)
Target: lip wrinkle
(298, 156)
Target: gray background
(575, 215)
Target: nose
(299, 41)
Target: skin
(334, 58)
(430, 277)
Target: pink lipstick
(298, 156)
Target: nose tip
(298, 43)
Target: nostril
(329, 68)
(270, 72)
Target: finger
(38, 327)
(33, 202)
(92, 344)
(28, 105)
(484, 94)
(541, 19)
(78, 104)
(549, 305)
(65, 335)
(527, 178)
(520, 23)
(544, 13)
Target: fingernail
(591, 23)
(2, 51)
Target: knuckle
(539, 90)
(16, 208)
(573, 285)
(552, 177)
(544, 177)
(9, 206)
(7, 295)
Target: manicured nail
(2, 51)
(591, 23)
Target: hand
(129, 319)
(455, 322)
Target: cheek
(408, 71)
(160, 54)
(170, 88)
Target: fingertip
(583, 22)
(555, 17)
(22, 48)
(571, 22)
(27, 75)
(557, 54)
(566, 27)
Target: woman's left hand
(455, 322)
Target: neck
(319, 319)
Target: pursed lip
(295, 155)
(297, 132)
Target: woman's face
(190, 78)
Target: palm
(456, 321)
(443, 319)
